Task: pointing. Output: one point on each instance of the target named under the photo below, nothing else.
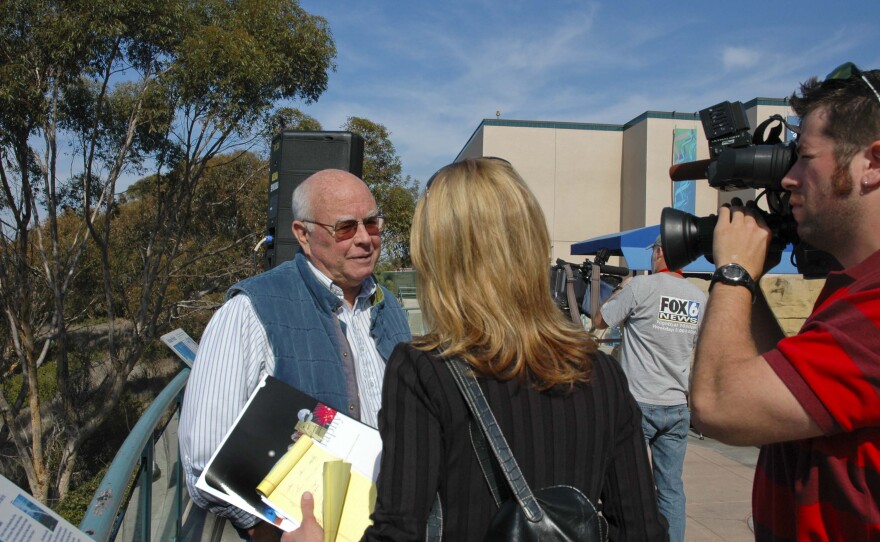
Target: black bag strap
(482, 413)
(434, 526)
(491, 472)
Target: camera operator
(812, 400)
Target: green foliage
(96, 454)
(246, 55)
(289, 118)
(399, 206)
(90, 90)
(74, 506)
(176, 92)
(47, 387)
(229, 217)
(381, 164)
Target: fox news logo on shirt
(673, 309)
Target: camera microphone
(689, 171)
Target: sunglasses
(847, 70)
(345, 229)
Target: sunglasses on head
(848, 70)
(345, 229)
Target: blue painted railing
(111, 502)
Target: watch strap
(745, 280)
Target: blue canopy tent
(631, 244)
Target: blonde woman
(481, 248)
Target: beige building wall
(577, 189)
(598, 179)
(633, 184)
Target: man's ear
(662, 256)
(301, 234)
(872, 170)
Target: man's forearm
(734, 331)
(238, 517)
(736, 395)
(597, 320)
(726, 330)
(766, 331)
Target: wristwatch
(736, 275)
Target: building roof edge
(669, 115)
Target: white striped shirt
(233, 356)
(369, 367)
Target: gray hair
(301, 203)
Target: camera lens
(685, 237)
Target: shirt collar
(367, 287)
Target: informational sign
(182, 344)
(25, 519)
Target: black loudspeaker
(295, 155)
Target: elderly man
(811, 400)
(319, 322)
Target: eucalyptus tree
(92, 93)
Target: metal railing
(406, 292)
(127, 487)
(414, 319)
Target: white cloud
(739, 57)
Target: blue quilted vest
(297, 312)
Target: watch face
(736, 275)
(733, 272)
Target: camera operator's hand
(741, 236)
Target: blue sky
(431, 71)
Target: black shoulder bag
(560, 513)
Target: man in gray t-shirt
(660, 314)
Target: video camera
(570, 283)
(738, 160)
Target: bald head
(322, 186)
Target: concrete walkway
(718, 485)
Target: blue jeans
(666, 433)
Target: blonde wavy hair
(481, 250)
